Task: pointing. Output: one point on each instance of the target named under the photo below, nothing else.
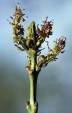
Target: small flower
(61, 42)
(46, 28)
(18, 11)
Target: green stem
(33, 106)
(33, 62)
(33, 88)
(33, 93)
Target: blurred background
(54, 92)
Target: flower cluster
(35, 37)
(60, 44)
(52, 55)
(18, 13)
(43, 32)
(46, 28)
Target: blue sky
(61, 12)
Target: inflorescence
(35, 37)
